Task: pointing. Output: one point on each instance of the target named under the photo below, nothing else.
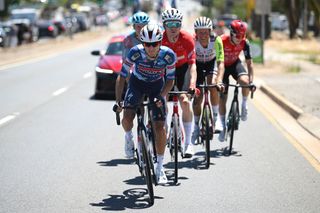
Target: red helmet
(238, 29)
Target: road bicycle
(233, 118)
(175, 141)
(206, 124)
(145, 151)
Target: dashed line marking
(87, 75)
(8, 118)
(60, 91)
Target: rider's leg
(186, 117)
(127, 124)
(160, 137)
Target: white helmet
(171, 14)
(151, 33)
(203, 23)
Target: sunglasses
(173, 24)
(154, 44)
(238, 36)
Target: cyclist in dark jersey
(153, 75)
(209, 57)
(182, 43)
(233, 45)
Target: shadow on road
(116, 162)
(136, 198)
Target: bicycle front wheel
(232, 125)
(207, 114)
(147, 166)
(176, 147)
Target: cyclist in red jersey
(233, 44)
(182, 43)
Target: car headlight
(108, 71)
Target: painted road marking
(60, 91)
(8, 118)
(87, 75)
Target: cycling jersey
(149, 70)
(232, 51)
(183, 47)
(129, 41)
(213, 50)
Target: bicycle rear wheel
(147, 166)
(232, 125)
(207, 136)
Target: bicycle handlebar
(252, 87)
(208, 86)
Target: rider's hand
(220, 87)
(117, 107)
(252, 87)
(158, 101)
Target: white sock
(187, 129)
(196, 120)
(129, 134)
(244, 101)
(223, 119)
(215, 109)
(160, 161)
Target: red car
(108, 67)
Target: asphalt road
(60, 151)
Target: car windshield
(115, 48)
(30, 16)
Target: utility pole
(305, 19)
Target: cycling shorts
(210, 67)
(182, 78)
(138, 89)
(235, 70)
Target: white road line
(87, 75)
(8, 118)
(60, 91)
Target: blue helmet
(139, 18)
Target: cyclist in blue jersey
(139, 20)
(152, 64)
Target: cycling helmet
(238, 28)
(202, 23)
(151, 33)
(171, 14)
(139, 18)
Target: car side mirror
(95, 52)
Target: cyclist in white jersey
(209, 57)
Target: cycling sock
(215, 109)
(160, 161)
(129, 134)
(196, 120)
(244, 101)
(223, 119)
(187, 129)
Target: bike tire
(233, 118)
(147, 167)
(176, 147)
(207, 137)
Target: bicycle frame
(207, 127)
(233, 119)
(176, 136)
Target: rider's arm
(167, 87)
(193, 75)
(119, 87)
(218, 45)
(249, 62)
(170, 72)
(124, 73)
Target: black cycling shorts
(235, 70)
(210, 68)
